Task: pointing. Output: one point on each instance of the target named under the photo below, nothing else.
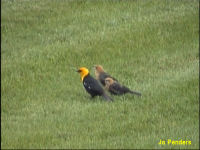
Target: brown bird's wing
(103, 76)
(116, 89)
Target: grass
(150, 46)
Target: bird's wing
(92, 84)
(115, 88)
(103, 76)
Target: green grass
(150, 46)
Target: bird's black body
(93, 87)
(103, 76)
(118, 89)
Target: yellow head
(83, 72)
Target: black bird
(91, 85)
(115, 88)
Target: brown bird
(101, 75)
(116, 88)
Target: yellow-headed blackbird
(101, 75)
(115, 88)
(91, 85)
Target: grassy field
(150, 46)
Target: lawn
(151, 46)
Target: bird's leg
(91, 97)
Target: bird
(116, 88)
(91, 85)
(101, 75)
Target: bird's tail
(106, 97)
(136, 93)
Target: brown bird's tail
(136, 93)
(106, 97)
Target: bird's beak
(78, 70)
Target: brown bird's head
(98, 69)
